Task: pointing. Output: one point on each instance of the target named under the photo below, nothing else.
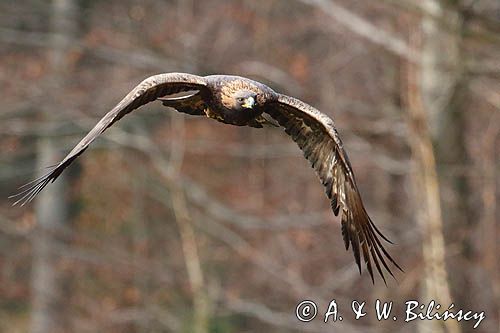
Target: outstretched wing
(148, 90)
(315, 134)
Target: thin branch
(366, 29)
(287, 320)
(272, 73)
(142, 60)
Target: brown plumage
(243, 102)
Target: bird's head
(245, 100)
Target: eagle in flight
(240, 101)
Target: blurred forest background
(172, 223)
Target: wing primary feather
(35, 192)
(28, 194)
(379, 232)
(374, 251)
(388, 256)
(366, 256)
(345, 235)
(377, 250)
(31, 182)
(377, 265)
(371, 239)
(26, 198)
(355, 247)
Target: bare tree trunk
(489, 168)
(51, 206)
(429, 217)
(427, 194)
(444, 86)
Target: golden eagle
(243, 102)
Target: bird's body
(240, 101)
(217, 101)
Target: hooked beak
(249, 103)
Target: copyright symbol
(306, 311)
